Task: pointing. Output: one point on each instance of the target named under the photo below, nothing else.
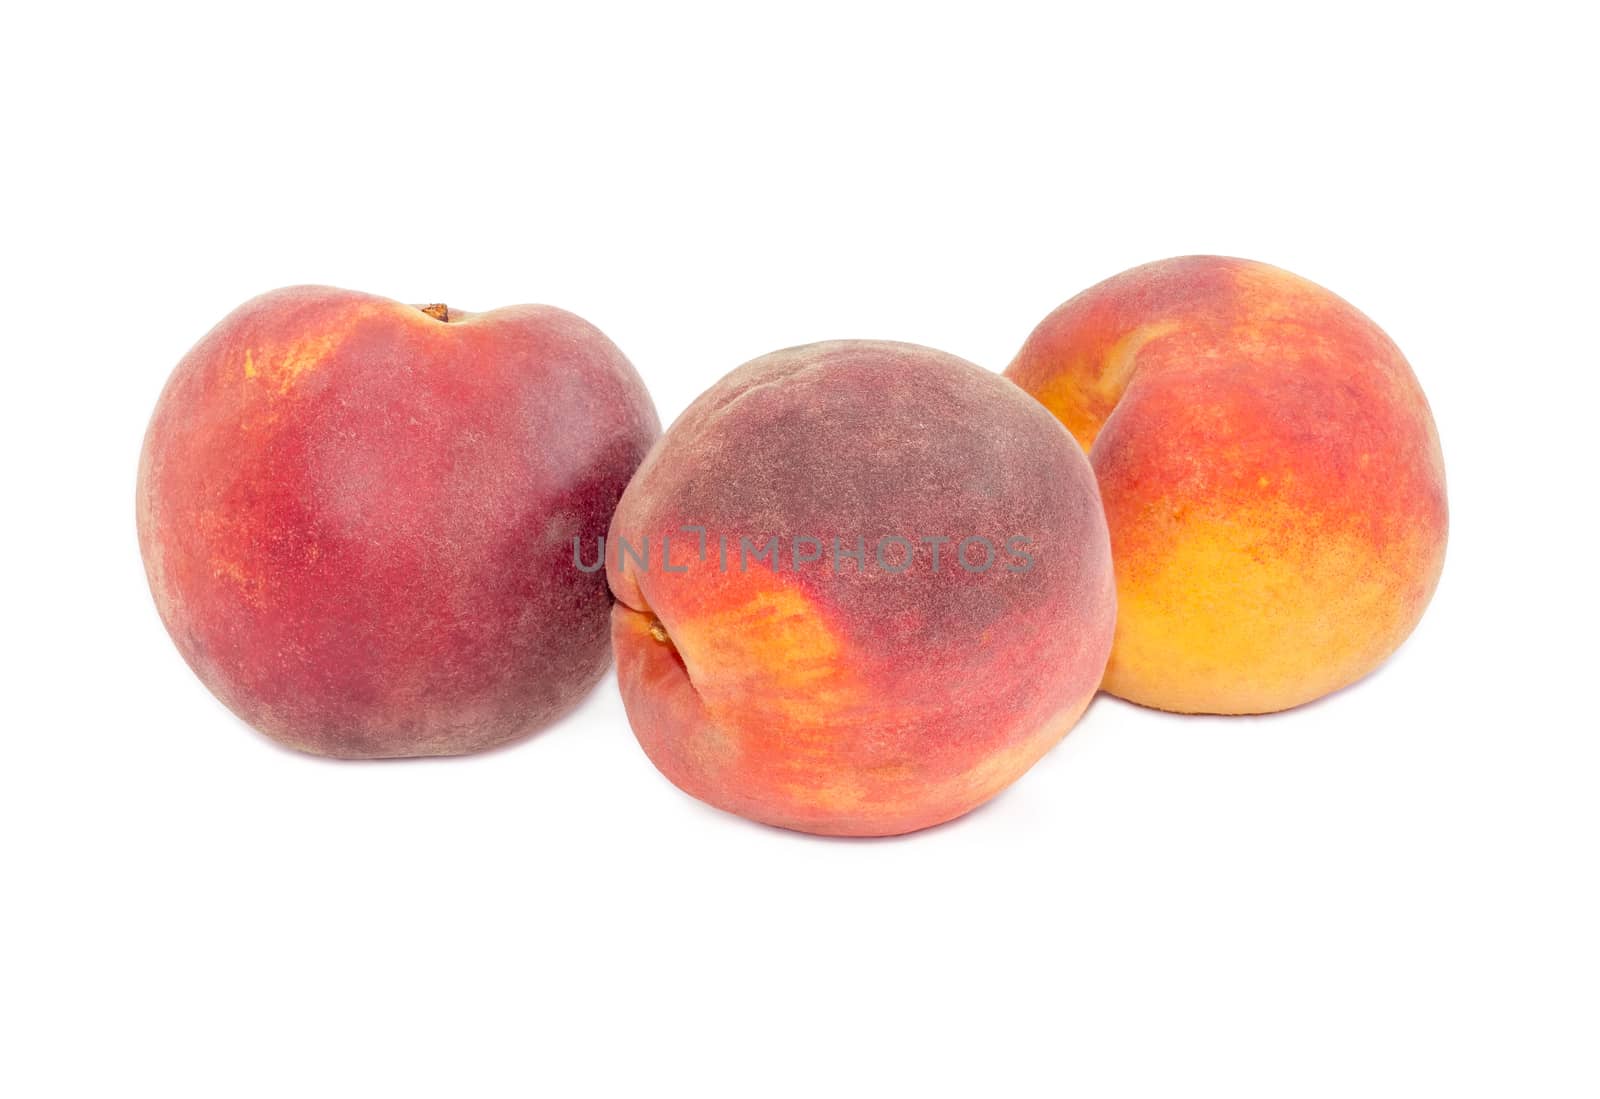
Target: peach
(356, 517)
(1271, 476)
(862, 587)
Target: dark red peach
(861, 676)
(357, 517)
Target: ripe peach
(868, 674)
(356, 516)
(1271, 476)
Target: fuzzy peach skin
(1271, 476)
(830, 698)
(356, 517)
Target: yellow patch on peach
(770, 652)
(1225, 619)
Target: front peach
(862, 677)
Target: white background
(1391, 892)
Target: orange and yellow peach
(861, 587)
(1271, 477)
